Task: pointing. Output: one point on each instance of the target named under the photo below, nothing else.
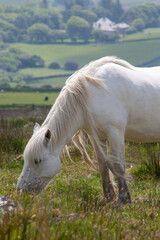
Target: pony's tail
(79, 142)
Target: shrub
(30, 61)
(138, 24)
(99, 36)
(113, 37)
(58, 35)
(54, 65)
(71, 65)
(27, 78)
(131, 30)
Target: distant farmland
(136, 52)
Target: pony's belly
(142, 136)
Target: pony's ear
(47, 137)
(36, 127)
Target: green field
(56, 81)
(135, 52)
(25, 98)
(149, 33)
(41, 72)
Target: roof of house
(105, 24)
(121, 25)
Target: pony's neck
(63, 120)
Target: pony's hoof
(110, 198)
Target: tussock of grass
(149, 166)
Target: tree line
(70, 19)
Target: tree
(138, 24)
(146, 12)
(39, 33)
(8, 32)
(58, 35)
(99, 11)
(88, 15)
(50, 17)
(107, 4)
(71, 65)
(80, 2)
(118, 11)
(99, 36)
(54, 65)
(45, 3)
(78, 28)
(68, 4)
(22, 21)
(27, 61)
(108, 7)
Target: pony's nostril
(18, 189)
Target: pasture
(72, 206)
(135, 52)
(26, 98)
(147, 34)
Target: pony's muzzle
(35, 186)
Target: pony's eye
(37, 161)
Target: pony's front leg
(116, 141)
(108, 189)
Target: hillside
(16, 2)
(128, 3)
(136, 53)
(125, 3)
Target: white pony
(110, 100)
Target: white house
(105, 24)
(121, 27)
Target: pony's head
(41, 161)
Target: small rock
(69, 216)
(7, 204)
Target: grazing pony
(112, 101)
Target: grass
(150, 33)
(22, 98)
(78, 190)
(134, 52)
(56, 81)
(72, 206)
(42, 72)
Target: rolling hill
(125, 3)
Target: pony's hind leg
(108, 189)
(116, 141)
